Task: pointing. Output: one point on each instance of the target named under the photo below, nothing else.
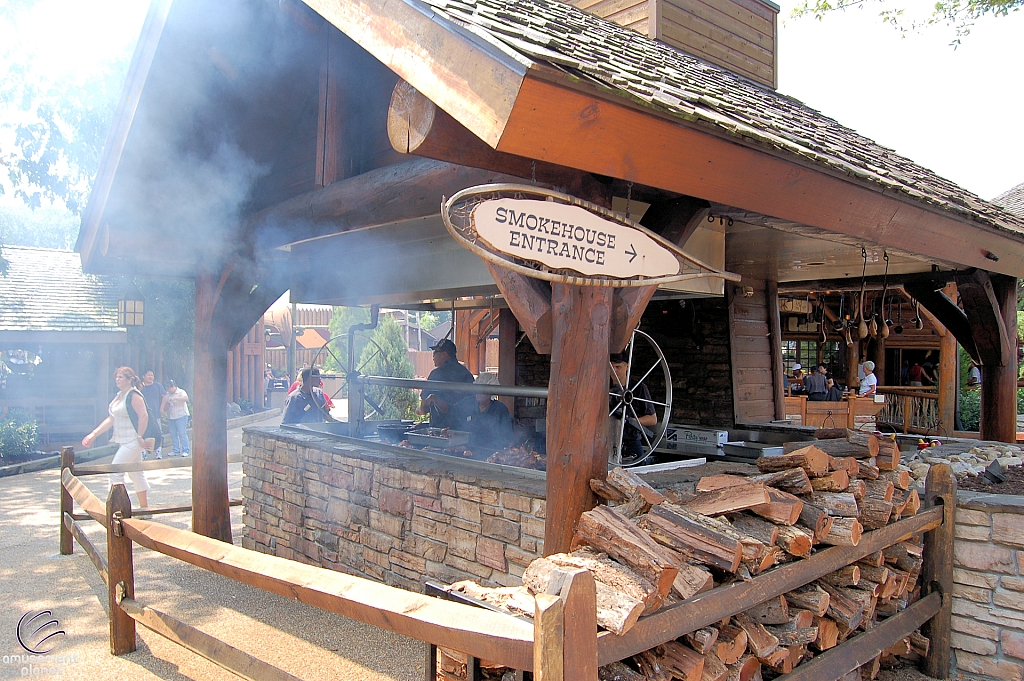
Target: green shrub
(970, 409)
(18, 436)
(388, 356)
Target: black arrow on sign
(632, 253)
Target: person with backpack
(128, 416)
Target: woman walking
(177, 417)
(128, 417)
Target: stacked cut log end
(647, 551)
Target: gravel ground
(304, 641)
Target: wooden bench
(832, 414)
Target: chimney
(738, 35)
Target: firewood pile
(648, 549)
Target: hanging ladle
(885, 289)
(862, 327)
(899, 317)
(918, 322)
(840, 323)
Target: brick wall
(395, 518)
(988, 594)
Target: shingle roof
(46, 290)
(661, 77)
(1012, 200)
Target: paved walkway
(302, 640)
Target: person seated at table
(815, 384)
(797, 381)
(485, 419)
(834, 392)
(869, 382)
(307, 404)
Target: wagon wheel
(324, 352)
(646, 363)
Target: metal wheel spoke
(622, 430)
(332, 355)
(643, 433)
(368, 360)
(616, 377)
(656, 365)
(615, 408)
(629, 366)
(640, 399)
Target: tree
(342, 319)
(388, 355)
(962, 14)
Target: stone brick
(979, 579)
(1012, 583)
(516, 502)
(516, 555)
(425, 527)
(408, 561)
(394, 502)
(539, 507)
(427, 502)
(392, 477)
(388, 524)
(1008, 528)
(972, 593)
(971, 644)
(468, 566)
(376, 558)
(499, 528)
(491, 553)
(447, 486)
(461, 508)
(972, 532)
(422, 484)
(425, 548)
(433, 515)
(998, 669)
(465, 525)
(461, 543)
(362, 480)
(532, 527)
(966, 625)
(1009, 599)
(447, 574)
(378, 541)
(1013, 644)
(987, 613)
(292, 513)
(480, 495)
(984, 557)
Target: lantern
(130, 307)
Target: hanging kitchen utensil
(862, 327)
(849, 338)
(824, 322)
(884, 332)
(840, 323)
(899, 317)
(918, 322)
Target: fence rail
(911, 411)
(559, 645)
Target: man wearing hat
(486, 419)
(438, 403)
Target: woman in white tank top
(126, 433)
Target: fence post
(548, 638)
(579, 613)
(907, 409)
(67, 504)
(120, 571)
(937, 570)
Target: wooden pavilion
(267, 146)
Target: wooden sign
(563, 236)
(552, 236)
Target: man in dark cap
(307, 404)
(446, 368)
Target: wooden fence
(912, 410)
(558, 645)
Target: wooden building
(59, 342)
(333, 130)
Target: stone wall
(396, 518)
(988, 594)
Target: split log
(880, 489)
(858, 488)
(792, 480)
(783, 509)
(695, 539)
(899, 478)
(876, 559)
(607, 492)
(692, 579)
(709, 483)
(836, 504)
(798, 619)
(867, 471)
(728, 499)
(605, 530)
(901, 647)
(834, 447)
(841, 608)
(913, 503)
(773, 611)
(703, 640)
(795, 540)
(828, 634)
(634, 507)
(809, 598)
(746, 669)
(778, 660)
(920, 643)
(754, 554)
(875, 588)
(650, 666)
(796, 654)
(874, 513)
(714, 668)
(874, 573)
(810, 458)
(847, 576)
(681, 662)
(869, 671)
(885, 451)
(621, 593)
(815, 519)
(759, 640)
(731, 644)
(761, 530)
(866, 598)
(629, 483)
(796, 637)
(844, 532)
(845, 463)
(836, 481)
(618, 671)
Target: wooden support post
(851, 413)
(937, 570)
(999, 383)
(775, 342)
(120, 570)
(508, 329)
(210, 513)
(67, 504)
(908, 405)
(577, 424)
(949, 368)
(579, 596)
(548, 638)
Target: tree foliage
(342, 319)
(388, 355)
(961, 14)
